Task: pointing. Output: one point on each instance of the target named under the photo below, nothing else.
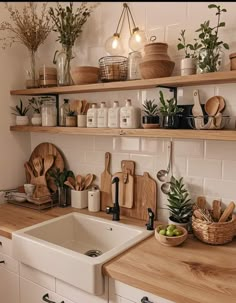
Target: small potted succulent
(71, 118)
(151, 118)
(180, 206)
(189, 62)
(36, 105)
(20, 112)
(170, 112)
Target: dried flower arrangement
(68, 23)
(28, 28)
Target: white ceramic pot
(36, 119)
(188, 66)
(81, 120)
(79, 199)
(22, 120)
(185, 225)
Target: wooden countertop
(191, 273)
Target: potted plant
(20, 112)
(210, 55)
(188, 63)
(59, 177)
(180, 206)
(71, 118)
(36, 105)
(170, 112)
(151, 119)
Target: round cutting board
(42, 150)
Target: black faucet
(150, 219)
(115, 210)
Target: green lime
(169, 233)
(177, 232)
(162, 232)
(171, 227)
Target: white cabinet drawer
(37, 277)
(79, 296)
(9, 286)
(33, 293)
(5, 246)
(118, 289)
(9, 263)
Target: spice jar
(49, 113)
(133, 65)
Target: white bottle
(130, 116)
(92, 116)
(114, 115)
(102, 115)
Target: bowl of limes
(171, 235)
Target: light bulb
(113, 45)
(137, 39)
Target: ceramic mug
(29, 189)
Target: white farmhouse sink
(58, 247)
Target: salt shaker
(133, 65)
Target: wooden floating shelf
(175, 81)
(225, 135)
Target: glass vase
(209, 60)
(32, 80)
(62, 196)
(62, 59)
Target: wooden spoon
(79, 107)
(38, 165)
(48, 163)
(227, 212)
(87, 106)
(88, 180)
(212, 106)
(216, 208)
(79, 180)
(69, 184)
(71, 180)
(221, 104)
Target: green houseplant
(210, 55)
(188, 63)
(20, 112)
(170, 112)
(180, 206)
(151, 117)
(59, 177)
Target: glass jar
(49, 113)
(133, 65)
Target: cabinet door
(33, 293)
(9, 286)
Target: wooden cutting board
(43, 150)
(126, 184)
(106, 178)
(145, 196)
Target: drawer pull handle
(145, 300)
(2, 261)
(0, 243)
(46, 299)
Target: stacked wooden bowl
(156, 62)
(85, 74)
(47, 76)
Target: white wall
(15, 148)
(207, 166)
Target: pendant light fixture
(137, 38)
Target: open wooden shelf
(225, 135)
(176, 81)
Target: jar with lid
(133, 65)
(49, 113)
(102, 115)
(64, 109)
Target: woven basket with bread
(213, 226)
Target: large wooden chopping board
(145, 196)
(43, 150)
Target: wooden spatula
(201, 202)
(197, 110)
(227, 212)
(106, 178)
(216, 210)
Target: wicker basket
(214, 233)
(113, 68)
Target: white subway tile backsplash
(162, 215)
(179, 166)
(220, 150)
(152, 146)
(95, 157)
(127, 144)
(229, 170)
(205, 168)
(143, 162)
(116, 159)
(194, 185)
(103, 143)
(186, 148)
(220, 188)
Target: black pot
(151, 120)
(171, 121)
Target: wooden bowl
(85, 74)
(171, 241)
(156, 69)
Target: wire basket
(214, 232)
(113, 68)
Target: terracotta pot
(158, 47)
